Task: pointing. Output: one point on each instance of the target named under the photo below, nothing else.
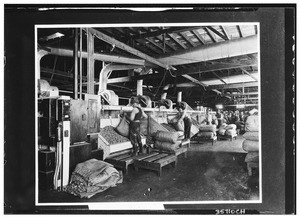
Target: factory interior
(90, 80)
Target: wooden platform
(226, 137)
(201, 139)
(123, 159)
(155, 161)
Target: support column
(179, 96)
(139, 87)
(75, 57)
(90, 64)
(80, 64)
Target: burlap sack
(250, 146)
(251, 136)
(252, 123)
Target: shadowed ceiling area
(209, 64)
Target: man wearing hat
(134, 127)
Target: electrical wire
(160, 84)
(174, 76)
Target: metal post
(75, 55)
(90, 63)
(80, 65)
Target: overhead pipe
(105, 72)
(164, 94)
(226, 49)
(40, 55)
(97, 56)
(139, 87)
(179, 96)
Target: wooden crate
(155, 161)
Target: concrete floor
(207, 174)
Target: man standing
(183, 116)
(134, 127)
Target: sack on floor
(222, 131)
(249, 145)
(162, 136)
(206, 135)
(230, 127)
(91, 177)
(252, 157)
(231, 132)
(123, 127)
(252, 123)
(251, 136)
(167, 146)
(208, 128)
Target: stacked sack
(167, 141)
(207, 132)
(228, 130)
(251, 142)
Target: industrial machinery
(54, 141)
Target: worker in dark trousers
(183, 116)
(134, 127)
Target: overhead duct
(226, 49)
(97, 56)
(107, 69)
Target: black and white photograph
(140, 111)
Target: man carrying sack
(182, 122)
(136, 115)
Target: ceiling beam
(187, 39)
(215, 74)
(194, 80)
(234, 85)
(225, 49)
(162, 31)
(241, 94)
(127, 48)
(200, 38)
(97, 56)
(240, 31)
(246, 72)
(217, 32)
(253, 104)
(211, 67)
(210, 34)
(166, 42)
(177, 41)
(225, 32)
(155, 44)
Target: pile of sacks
(251, 142)
(228, 130)
(167, 141)
(91, 177)
(207, 132)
